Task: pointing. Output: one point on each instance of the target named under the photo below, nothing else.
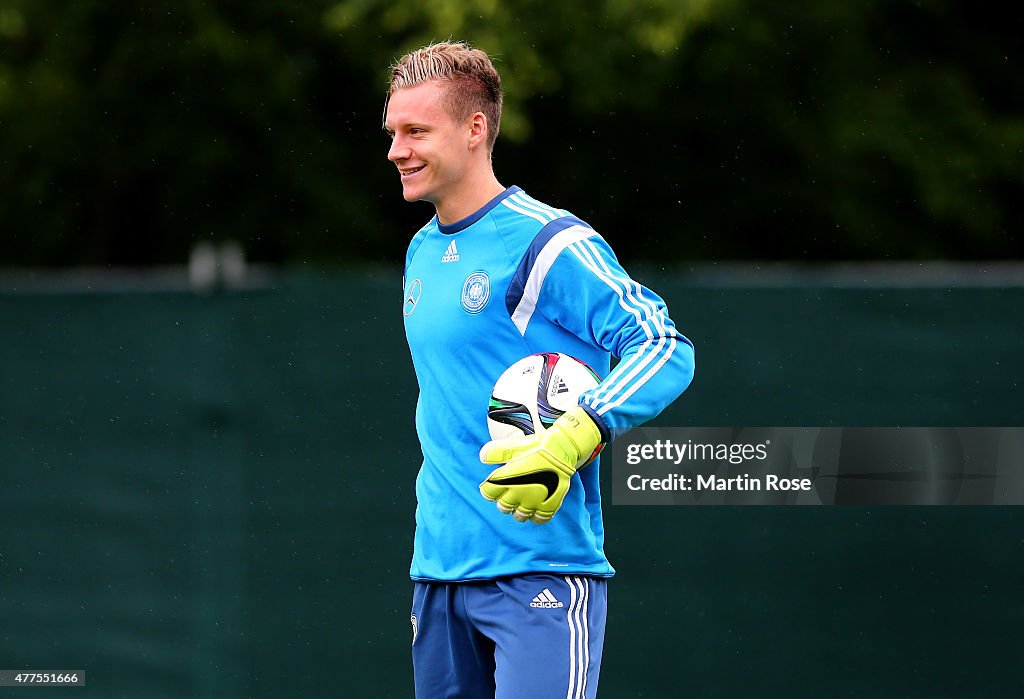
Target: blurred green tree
(683, 130)
(130, 131)
(592, 51)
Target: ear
(478, 130)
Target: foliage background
(692, 129)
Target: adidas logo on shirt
(451, 254)
(546, 600)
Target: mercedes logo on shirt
(412, 296)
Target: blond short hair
(472, 81)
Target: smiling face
(433, 152)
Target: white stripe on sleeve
(531, 293)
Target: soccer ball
(535, 391)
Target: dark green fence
(212, 496)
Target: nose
(399, 150)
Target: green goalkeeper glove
(538, 467)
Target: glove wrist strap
(580, 432)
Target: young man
(502, 608)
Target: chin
(410, 193)
(415, 194)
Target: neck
(471, 196)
